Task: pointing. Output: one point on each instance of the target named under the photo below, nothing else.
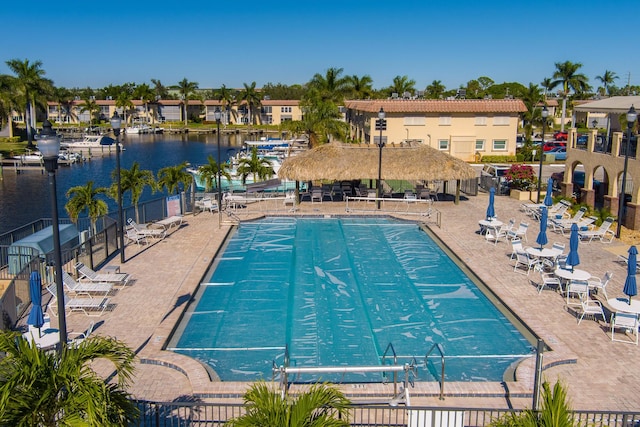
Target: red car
(550, 145)
(561, 136)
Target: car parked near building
(550, 145)
(560, 153)
(561, 135)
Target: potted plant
(521, 179)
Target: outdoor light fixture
(544, 114)
(116, 122)
(631, 119)
(49, 146)
(217, 114)
(381, 124)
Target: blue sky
(91, 43)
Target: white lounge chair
(75, 338)
(142, 229)
(91, 306)
(600, 233)
(85, 288)
(208, 205)
(169, 222)
(132, 235)
(85, 272)
(629, 323)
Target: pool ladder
(438, 347)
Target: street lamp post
(217, 114)
(49, 146)
(544, 114)
(381, 124)
(631, 118)
(116, 122)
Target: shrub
(520, 177)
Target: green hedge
(501, 159)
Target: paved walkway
(599, 374)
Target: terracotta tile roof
(438, 105)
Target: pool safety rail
(438, 347)
(421, 207)
(410, 372)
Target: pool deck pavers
(599, 374)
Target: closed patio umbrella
(491, 211)
(573, 258)
(630, 287)
(548, 199)
(542, 235)
(36, 318)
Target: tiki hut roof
(343, 162)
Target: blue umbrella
(573, 258)
(491, 212)
(630, 288)
(542, 236)
(548, 199)
(36, 317)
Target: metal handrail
(395, 362)
(442, 362)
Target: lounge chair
(142, 229)
(75, 338)
(91, 306)
(208, 205)
(85, 288)
(628, 322)
(564, 224)
(167, 223)
(600, 233)
(119, 279)
(132, 235)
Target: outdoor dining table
(484, 224)
(622, 304)
(576, 274)
(543, 253)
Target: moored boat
(90, 141)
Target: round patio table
(484, 224)
(576, 274)
(543, 253)
(622, 304)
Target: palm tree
(360, 87)
(254, 165)
(547, 85)
(331, 86)
(161, 92)
(144, 93)
(531, 98)
(63, 97)
(226, 98)
(566, 75)
(251, 97)
(171, 177)
(607, 79)
(124, 101)
(133, 180)
(186, 89)
(321, 405)
(209, 173)
(321, 121)
(44, 388)
(402, 84)
(84, 198)
(8, 101)
(92, 107)
(435, 90)
(29, 83)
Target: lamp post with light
(544, 114)
(49, 146)
(381, 124)
(217, 114)
(631, 119)
(116, 122)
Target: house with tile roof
(463, 128)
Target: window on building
(415, 120)
(479, 144)
(285, 109)
(266, 110)
(443, 144)
(481, 120)
(499, 145)
(445, 121)
(501, 121)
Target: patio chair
(494, 234)
(316, 195)
(523, 259)
(91, 306)
(516, 246)
(85, 272)
(132, 235)
(75, 338)
(590, 307)
(169, 222)
(144, 230)
(628, 322)
(600, 233)
(521, 231)
(578, 288)
(598, 284)
(85, 288)
(548, 280)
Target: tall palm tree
(226, 98)
(251, 96)
(91, 106)
(531, 98)
(360, 87)
(607, 79)
(332, 86)
(258, 167)
(63, 98)
(133, 180)
(8, 101)
(29, 83)
(435, 90)
(84, 198)
(402, 84)
(321, 121)
(567, 76)
(171, 177)
(321, 405)
(209, 173)
(186, 89)
(161, 92)
(44, 388)
(547, 85)
(144, 93)
(124, 101)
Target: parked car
(560, 153)
(561, 135)
(582, 140)
(550, 145)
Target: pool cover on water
(337, 291)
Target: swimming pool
(336, 292)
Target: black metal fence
(174, 414)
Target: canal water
(25, 197)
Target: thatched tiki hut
(346, 162)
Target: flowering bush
(520, 177)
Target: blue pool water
(336, 292)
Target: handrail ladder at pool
(438, 347)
